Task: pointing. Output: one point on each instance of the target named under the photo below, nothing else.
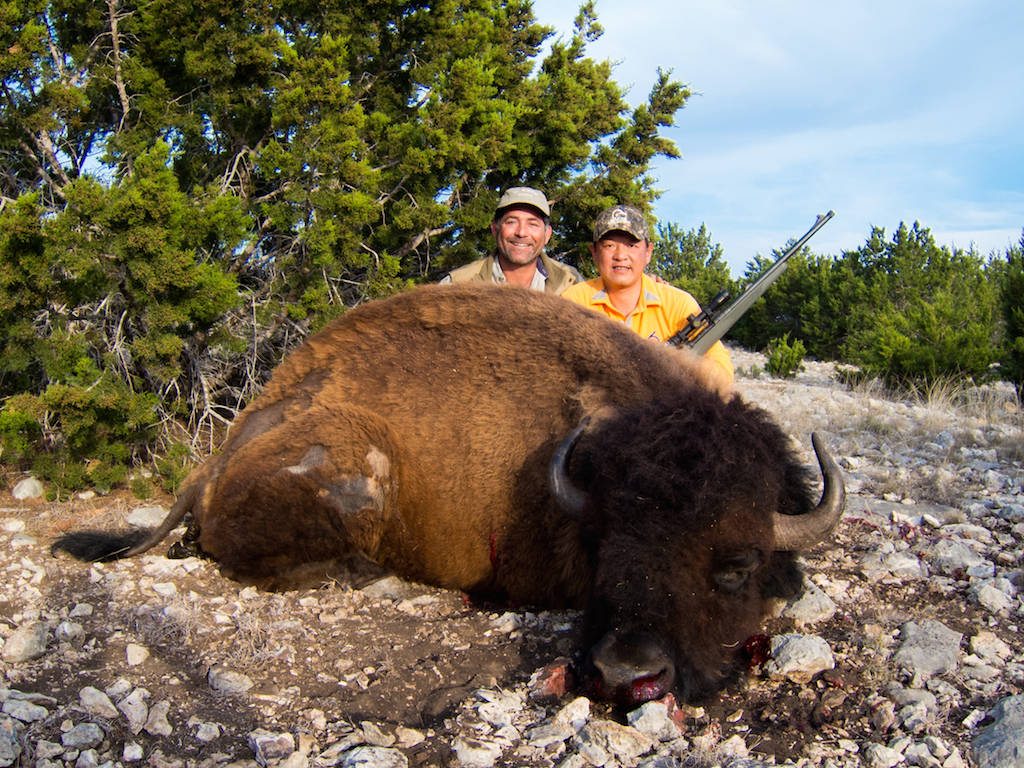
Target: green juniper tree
(1011, 279)
(186, 192)
(692, 261)
(928, 312)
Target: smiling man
(521, 228)
(621, 251)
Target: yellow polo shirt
(662, 310)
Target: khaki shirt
(551, 276)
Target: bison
(516, 446)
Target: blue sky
(905, 110)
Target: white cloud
(885, 111)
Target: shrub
(785, 359)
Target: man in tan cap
(521, 228)
(621, 251)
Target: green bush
(928, 313)
(785, 360)
(1011, 279)
(84, 429)
(19, 431)
(173, 467)
(901, 309)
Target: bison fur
(516, 446)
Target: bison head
(691, 517)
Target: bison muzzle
(516, 446)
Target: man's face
(520, 234)
(620, 258)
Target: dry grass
(996, 405)
(992, 404)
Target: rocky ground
(904, 650)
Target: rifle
(704, 328)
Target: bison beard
(512, 444)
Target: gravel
(904, 649)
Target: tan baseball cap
(621, 218)
(524, 196)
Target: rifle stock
(710, 325)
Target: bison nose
(632, 668)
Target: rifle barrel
(727, 319)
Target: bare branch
(122, 91)
(419, 239)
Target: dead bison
(511, 444)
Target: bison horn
(795, 532)
(567, 495)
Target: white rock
(408, 737)
(1001, 744)
(228, 681)
(69, 632)
(269, 746)
(952, 556)
(919, 755)
(118, 689)
(905, 565)
(506, 623)
(80, 610)
(993, 599)
(28, 488)
(881, 756)
(27, 642)
(208, 731)
(97, 703)
(88, 758)
(157, 723)
(546, 734)
(135, 710)
(575, 714)
(928, 648)
(132, 752)
(47, 749)
(600, 740)
(146, 517)
(165, 588)
(83, 736)
(799, 657)
(25, 711)
(811, 607)
(374, 736)
(734, 746)
(1014, 513)
(10, 747)
(987, 645)
(374, 757)
(473, 752)
(389, 588)
(294, 760)
(135, 654)
(652, 719)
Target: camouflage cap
(621, 218)
(524, 196)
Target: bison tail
(99, 546)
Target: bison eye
(733, 572)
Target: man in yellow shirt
(621, 251)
